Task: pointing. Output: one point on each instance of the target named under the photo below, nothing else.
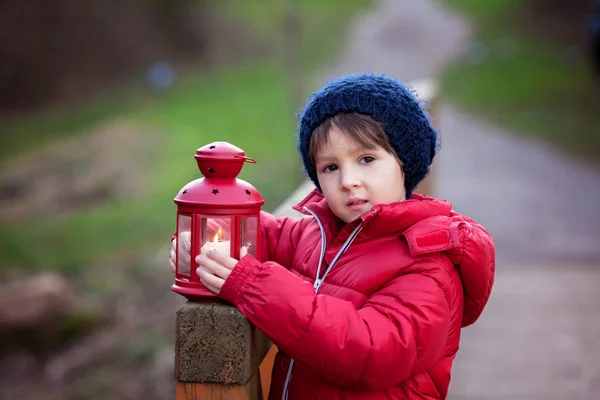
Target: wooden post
(217, 354)
(427, 89)
(266, 369)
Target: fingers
(223, 259)
(211, 273)
(213, 266)
(184, 249)
(184, 259)
(172, 254)
(186, 242)
(212, 282)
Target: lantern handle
(246, 159)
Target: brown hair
(361, 128)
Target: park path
(538, 338)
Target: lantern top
(226, 160)
(220, 163)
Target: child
(365, 297)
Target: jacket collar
(382, 219)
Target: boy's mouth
(355, 202)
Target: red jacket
(386, 321)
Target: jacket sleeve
(279, 238)
(400, 331)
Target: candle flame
(216, 238)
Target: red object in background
(219, 212)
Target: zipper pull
(317, 284)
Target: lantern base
(198, 294)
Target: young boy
(366, 296)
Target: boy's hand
(214, 268)
(173, 254)
(184, 252)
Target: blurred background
(103, 103)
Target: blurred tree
(182, 23)
(292, 58)
(594, 28)
(563, 20)
(59, 49)
(574, 23)
(292, 30)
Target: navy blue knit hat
(387, 101)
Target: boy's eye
(367, 159)
(329, 168)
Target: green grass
(246, 105)
(537, 93)
(322, 23)
(35, 129)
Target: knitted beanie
(388, 102)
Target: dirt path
(540, 205)
(537, 338)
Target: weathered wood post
(217, 353)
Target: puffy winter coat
(384, 322)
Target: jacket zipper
(319, 280)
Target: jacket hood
(430, 225)
(471, 249)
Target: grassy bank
(526, 82)
(247, 105)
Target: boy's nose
(349, 180)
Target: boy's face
(353, 178)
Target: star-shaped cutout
(247, 192)
(211, 170)
(212, 147)
(215, 191)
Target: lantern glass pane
(249, 234)
(184, 244)
(216, 235)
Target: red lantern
(219, 212)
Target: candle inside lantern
(222, 246)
